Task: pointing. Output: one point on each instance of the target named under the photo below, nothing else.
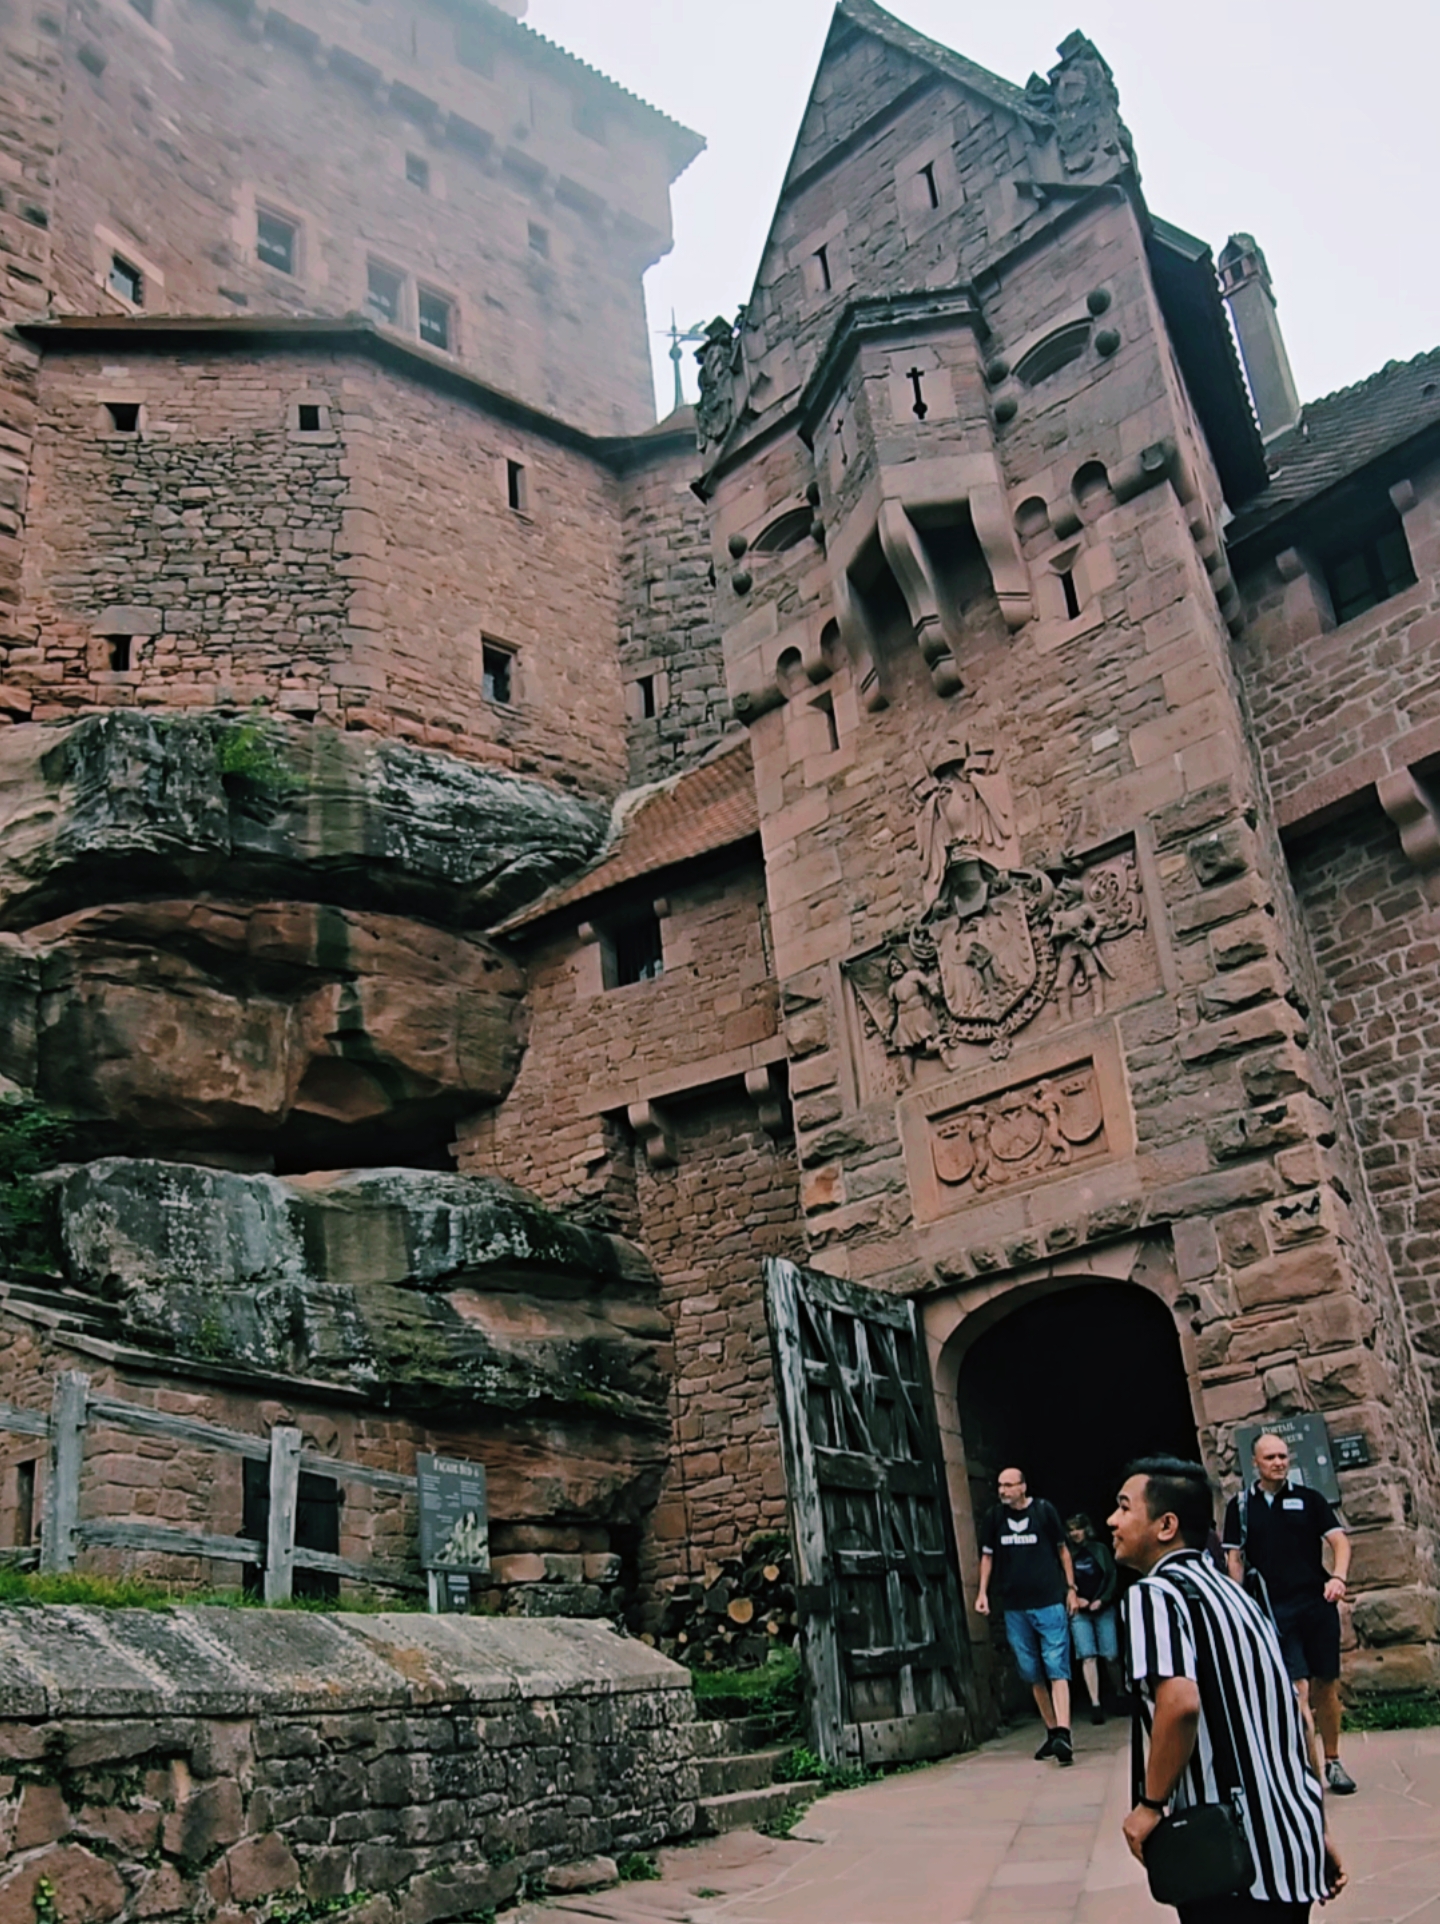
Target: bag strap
(1228, 1776)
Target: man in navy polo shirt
(1281, 1533)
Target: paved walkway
(994, 1835)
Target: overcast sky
(1309, 123)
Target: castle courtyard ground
(993, 1835)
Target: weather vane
(678, 339)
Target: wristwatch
(1158, 1804)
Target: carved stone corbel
(858, 641)
(761, 1087)
(1415, 814)
(995, 531)
(651, 1130)
(910, 565)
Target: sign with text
(454, 1517)
(1312, 1459)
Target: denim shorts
(1041, 1642)
(1094, 1634)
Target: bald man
(1282, 1531)
(1023, 1546)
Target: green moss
(1391, 1711)
(249, 761)
(33, 1138)
(774, 1692)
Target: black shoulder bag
(1251, 1582)
(1201, 1852)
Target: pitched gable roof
(710, 807)
(1339, 435)
(1000, 93)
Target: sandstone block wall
(352, 575)
(423, 1768)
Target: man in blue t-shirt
(1023, 1545)
(1281, 1532)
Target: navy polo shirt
(1284, 1539)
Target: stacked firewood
(734, 1613)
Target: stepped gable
(1342, 433)
(707, 808)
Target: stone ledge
(76, 1661)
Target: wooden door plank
(284, 1502)
(62, 1489)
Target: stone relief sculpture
(1020, 1133)
(995, 941)
(719, 359)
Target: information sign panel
(454, 1518)
(1312, 1460)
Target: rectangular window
(382, 294)
(497, 669)
(417, 171)
(434, 320)
(1369, 568)
(124, 416)
(126, 281)
(633, 951)
(646, 685)
(517, 487)
(1071, 592)
(121, 652)
(822, 263)
(24, 1503)
(308, 417)
(927, 182)
(275, 239)
(824, 707)
(539, 239)
(317, 1527)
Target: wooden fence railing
(63, 1532)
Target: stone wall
(668, 634)
(211, 1763)
(174, 134)
(353, 574)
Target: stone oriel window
(276, 241)
(631, 950)
(436, 320)
(497, 673)
(1368, 565)
(126, 280)
(383, 290)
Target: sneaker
(1338, 1779)
(1061, 1748)
(1047, 1749)
(1097, 1714)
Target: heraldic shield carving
(995, 941)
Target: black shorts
(1309, 1639)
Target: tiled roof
(707, 808)
(1337, 436)
(1004, 93)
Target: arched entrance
(1070, 1386)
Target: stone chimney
(1245, 283)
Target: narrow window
(121, 652)
(126, 281)
(275, 242)
(434, 320)
(497, 666)
(646, 685)
(633, 951)
(539, 239)
(825, 707)
(1072, 597)
(1363, 572)
(822, 261)
(927, 175)
(124, 416)
(417, 172)
(308, 418)
(24, 1503)
(517, 486)
(382, 293)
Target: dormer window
(1367, 566)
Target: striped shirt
(1282, 1802)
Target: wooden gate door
(883, 1633)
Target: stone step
(742, 1808)
(746, 1770)
(727, 1736)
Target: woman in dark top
(1094, 1632)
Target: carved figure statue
(914, 1029)
(1078, 927)
(965, 819)
(1046, 1104)
(715, 409)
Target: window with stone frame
(1367, 564)
(384, 291)
(277, 241)
(497, 673)
(126, 280)
(436, 320)
(632, 948)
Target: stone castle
(481, 873)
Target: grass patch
(1391, 1711)
(804, 1764)
(638, 1867)
(127, 1593)
(775, 1693)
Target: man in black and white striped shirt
(1162, 1518)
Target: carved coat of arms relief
(996, 941)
